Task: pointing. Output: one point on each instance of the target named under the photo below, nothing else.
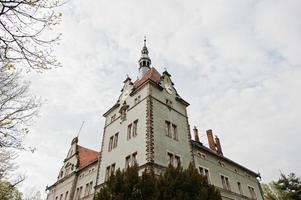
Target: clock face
(168, 88)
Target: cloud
(237, 63)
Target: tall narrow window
(205, 173)
(111, 143)
(76, 194)
(175, 132)
(129, 132)
(252, 192)
(226, 183)
(61, 197)
(170, 158)
(112, 169)
(127, 161)
(107, 173)
(239, 188)
(134, 158)
(80, 192)
(135, 128)
(115, 140)
(167, 129)
(66, 195)
(86, 189)
(177, 161)
(91, 186)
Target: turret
(144, 61)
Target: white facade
(149, 125)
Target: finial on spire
(144, 61)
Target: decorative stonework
(149, 131)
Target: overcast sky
(238, 63)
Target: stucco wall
(233, 172)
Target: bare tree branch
(23, 41)
(17, 108)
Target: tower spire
(144, 61)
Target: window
(107, 173)
(135, 128)
(252, 192)
(61, 197)
(113, 117)
(167, 129)
(76, 194)
(226, 183)
(91, 185)
(115, 140)
(129, 131)
(86, 189)
(239, 188)
(173, 160)
(205, 172)
(134, 158)
(131, 160)
(177, 161)
(127, 161)
(137, 99)
(170, 158)
(168, 103)
(80, 192)
(175, 132)
(111, 143)
(110, 170)
(56, 198)
(66, 195)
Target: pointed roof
(151, 74)
(86, 155)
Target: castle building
(148, 125)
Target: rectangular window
(115, 140)
(252, 192)
(167, 129)
(135, 128)
(205, 172)
(170, 158)
(76, 194)
(226, 183)
(177, 161)
(175, 132)
(239, 188)
(80, 192)
(129, 132)
(111, 143)
(127, 161)
(66, 195)
(86, 189)
(112, 169)
(91, 186)
(134, 158)
(107, 173)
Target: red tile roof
(86, 155)
(151, 74)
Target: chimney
(210, 140)
(218, 146)
(196, 134)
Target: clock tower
(148, 124)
